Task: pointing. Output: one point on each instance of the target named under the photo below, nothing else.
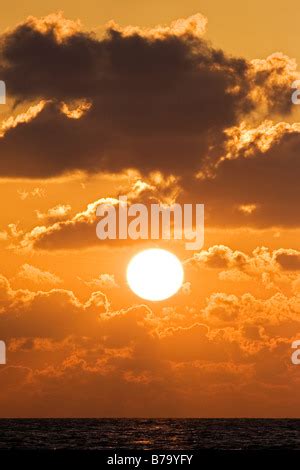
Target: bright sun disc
(155, 274)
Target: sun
(155, 274)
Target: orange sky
(174, 114)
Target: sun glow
(155, 274)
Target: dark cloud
(158, 101)
(288, 259)
(155, 100)
(266, 182)
(57, 343)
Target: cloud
(35, 192)
(186, 288)
(79, 230)
(58, 212)
(288, 259)
(271, 268)
(194, 25)
(57, 342)
(220, 256)
(277, 315)
(36, 275)
(76, 232)
(259, 172)
(157, 99)
(160, 100)
(272, 79)
(103, 281)
(63, 314)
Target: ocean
(149, 434)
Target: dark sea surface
(149, 434)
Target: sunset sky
(186, 102)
